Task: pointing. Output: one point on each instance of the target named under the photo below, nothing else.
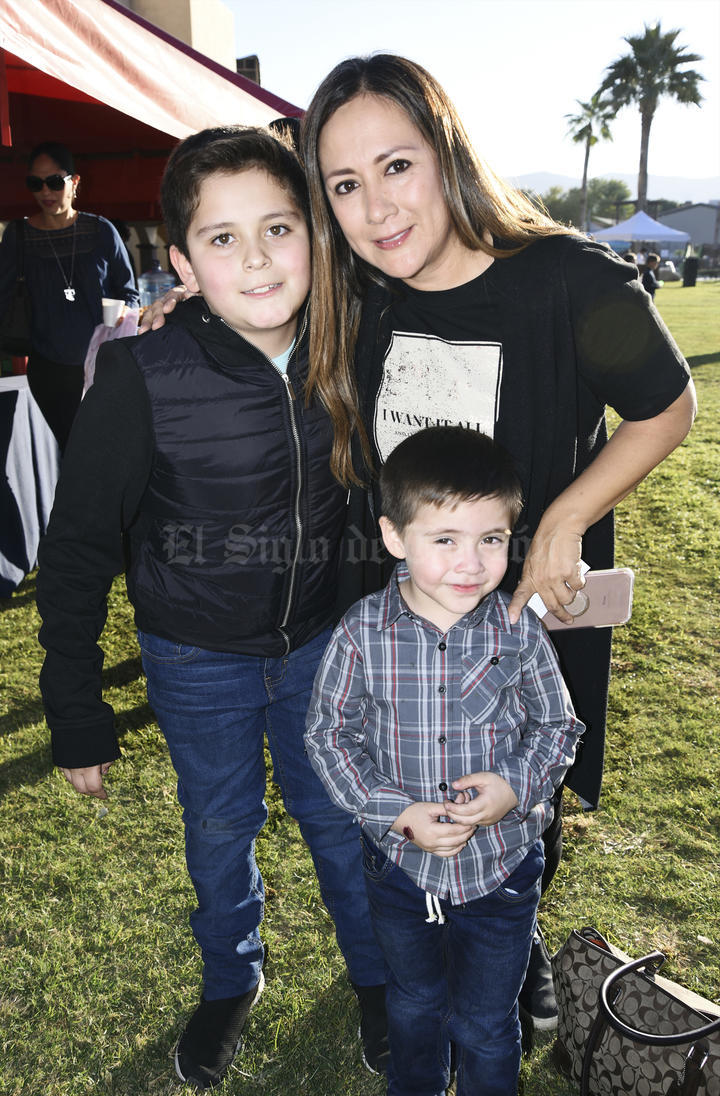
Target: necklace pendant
(69, 293)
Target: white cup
(111, 310)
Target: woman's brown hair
(479, 203)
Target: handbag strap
(687, 1085)
(653, 961)
(695, 1059)
(596, 1033)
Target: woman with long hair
(445, 296)
(71, 261)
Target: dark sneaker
(373, 1027)
(213, 1037)
(537, 997)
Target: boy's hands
(419, 823)
(154, 315)
(89, 781)
(494, 799)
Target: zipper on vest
(298, 458)
(298, 522)
(298, 493)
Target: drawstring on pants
(435, 913)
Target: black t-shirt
(471, 354)
(567, 329)
(444, 362)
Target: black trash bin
(690, 269)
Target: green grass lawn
(99, 970)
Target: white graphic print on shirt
(429, 381)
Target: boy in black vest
(197, 445)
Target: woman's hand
(551, 569)
(154, 315)
(635, 448)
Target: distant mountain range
(674, 188)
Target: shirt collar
(492, 608)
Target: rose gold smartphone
(605, 600)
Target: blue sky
(513, 67)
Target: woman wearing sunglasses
(71, 261)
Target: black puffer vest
(236, 544)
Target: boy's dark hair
(446, 464)
(224, 150)
(59, 153)
(653, 257)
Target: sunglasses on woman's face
(52, 182)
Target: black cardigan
(578, 333)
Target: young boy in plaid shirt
(444, 729)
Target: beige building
(209, 27)
(206, 25)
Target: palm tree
(651, 69)
(589, 125)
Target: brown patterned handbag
(623, 1031)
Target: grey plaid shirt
(400, 710)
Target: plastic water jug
(154, 283)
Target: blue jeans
(458, 981)
(214, 710)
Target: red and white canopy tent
(117, 91)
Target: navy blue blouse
(61, 329)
